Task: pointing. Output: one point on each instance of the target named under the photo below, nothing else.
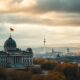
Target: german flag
(11, 29)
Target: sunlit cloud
(16, 6)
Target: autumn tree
(38, 77)
(55, 76)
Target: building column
(15, 59)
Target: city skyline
(58, 20)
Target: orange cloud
(10, 6)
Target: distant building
(53, 54)
(68, 52)
(13, 57)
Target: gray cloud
(14, 19)
(67, 19)
(59, 5)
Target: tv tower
(44, 41)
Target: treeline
(56, 71)
(11, 74)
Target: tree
(55, 76)
(37, 77)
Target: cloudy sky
(58, 20)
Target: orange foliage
(37, 77)
(55, 76)
(20, 75)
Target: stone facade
(12, 57)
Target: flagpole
(11, 30)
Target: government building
(13, 57)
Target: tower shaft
(44, 41)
